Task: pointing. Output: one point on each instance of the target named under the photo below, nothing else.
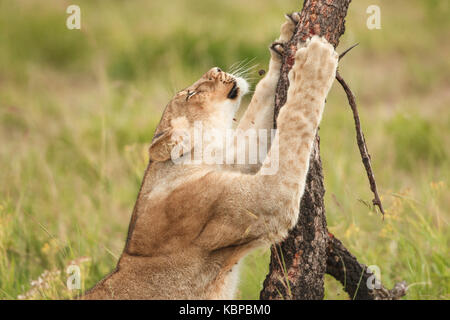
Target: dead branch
(365, 156)
(354, 276)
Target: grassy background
(78, 109)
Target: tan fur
(192, 224)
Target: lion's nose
(213, 73)
(215, 70)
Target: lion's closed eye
(190, 94)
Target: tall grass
(78, 109)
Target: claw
(294, 17)
(278, 47)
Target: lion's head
(212, 100)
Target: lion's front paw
(277, 49)
(315, 66)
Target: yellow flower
(49, 248)
(437, 185)
(352, 229)
(54, 244)
(45, 248)
(386, 231)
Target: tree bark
(300, 274)
(298, 264)
(303, 253)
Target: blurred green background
(78, 109)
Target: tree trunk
(298, 264)
(303, 253)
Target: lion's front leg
(258, 117)
(259, 114)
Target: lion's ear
(171, 143)
(159, 149)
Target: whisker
(243, 71)
(246, 64)
(238, 68)
(237, 65)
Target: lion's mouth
(233, 92)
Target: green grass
(78, 110)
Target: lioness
(194, 221)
